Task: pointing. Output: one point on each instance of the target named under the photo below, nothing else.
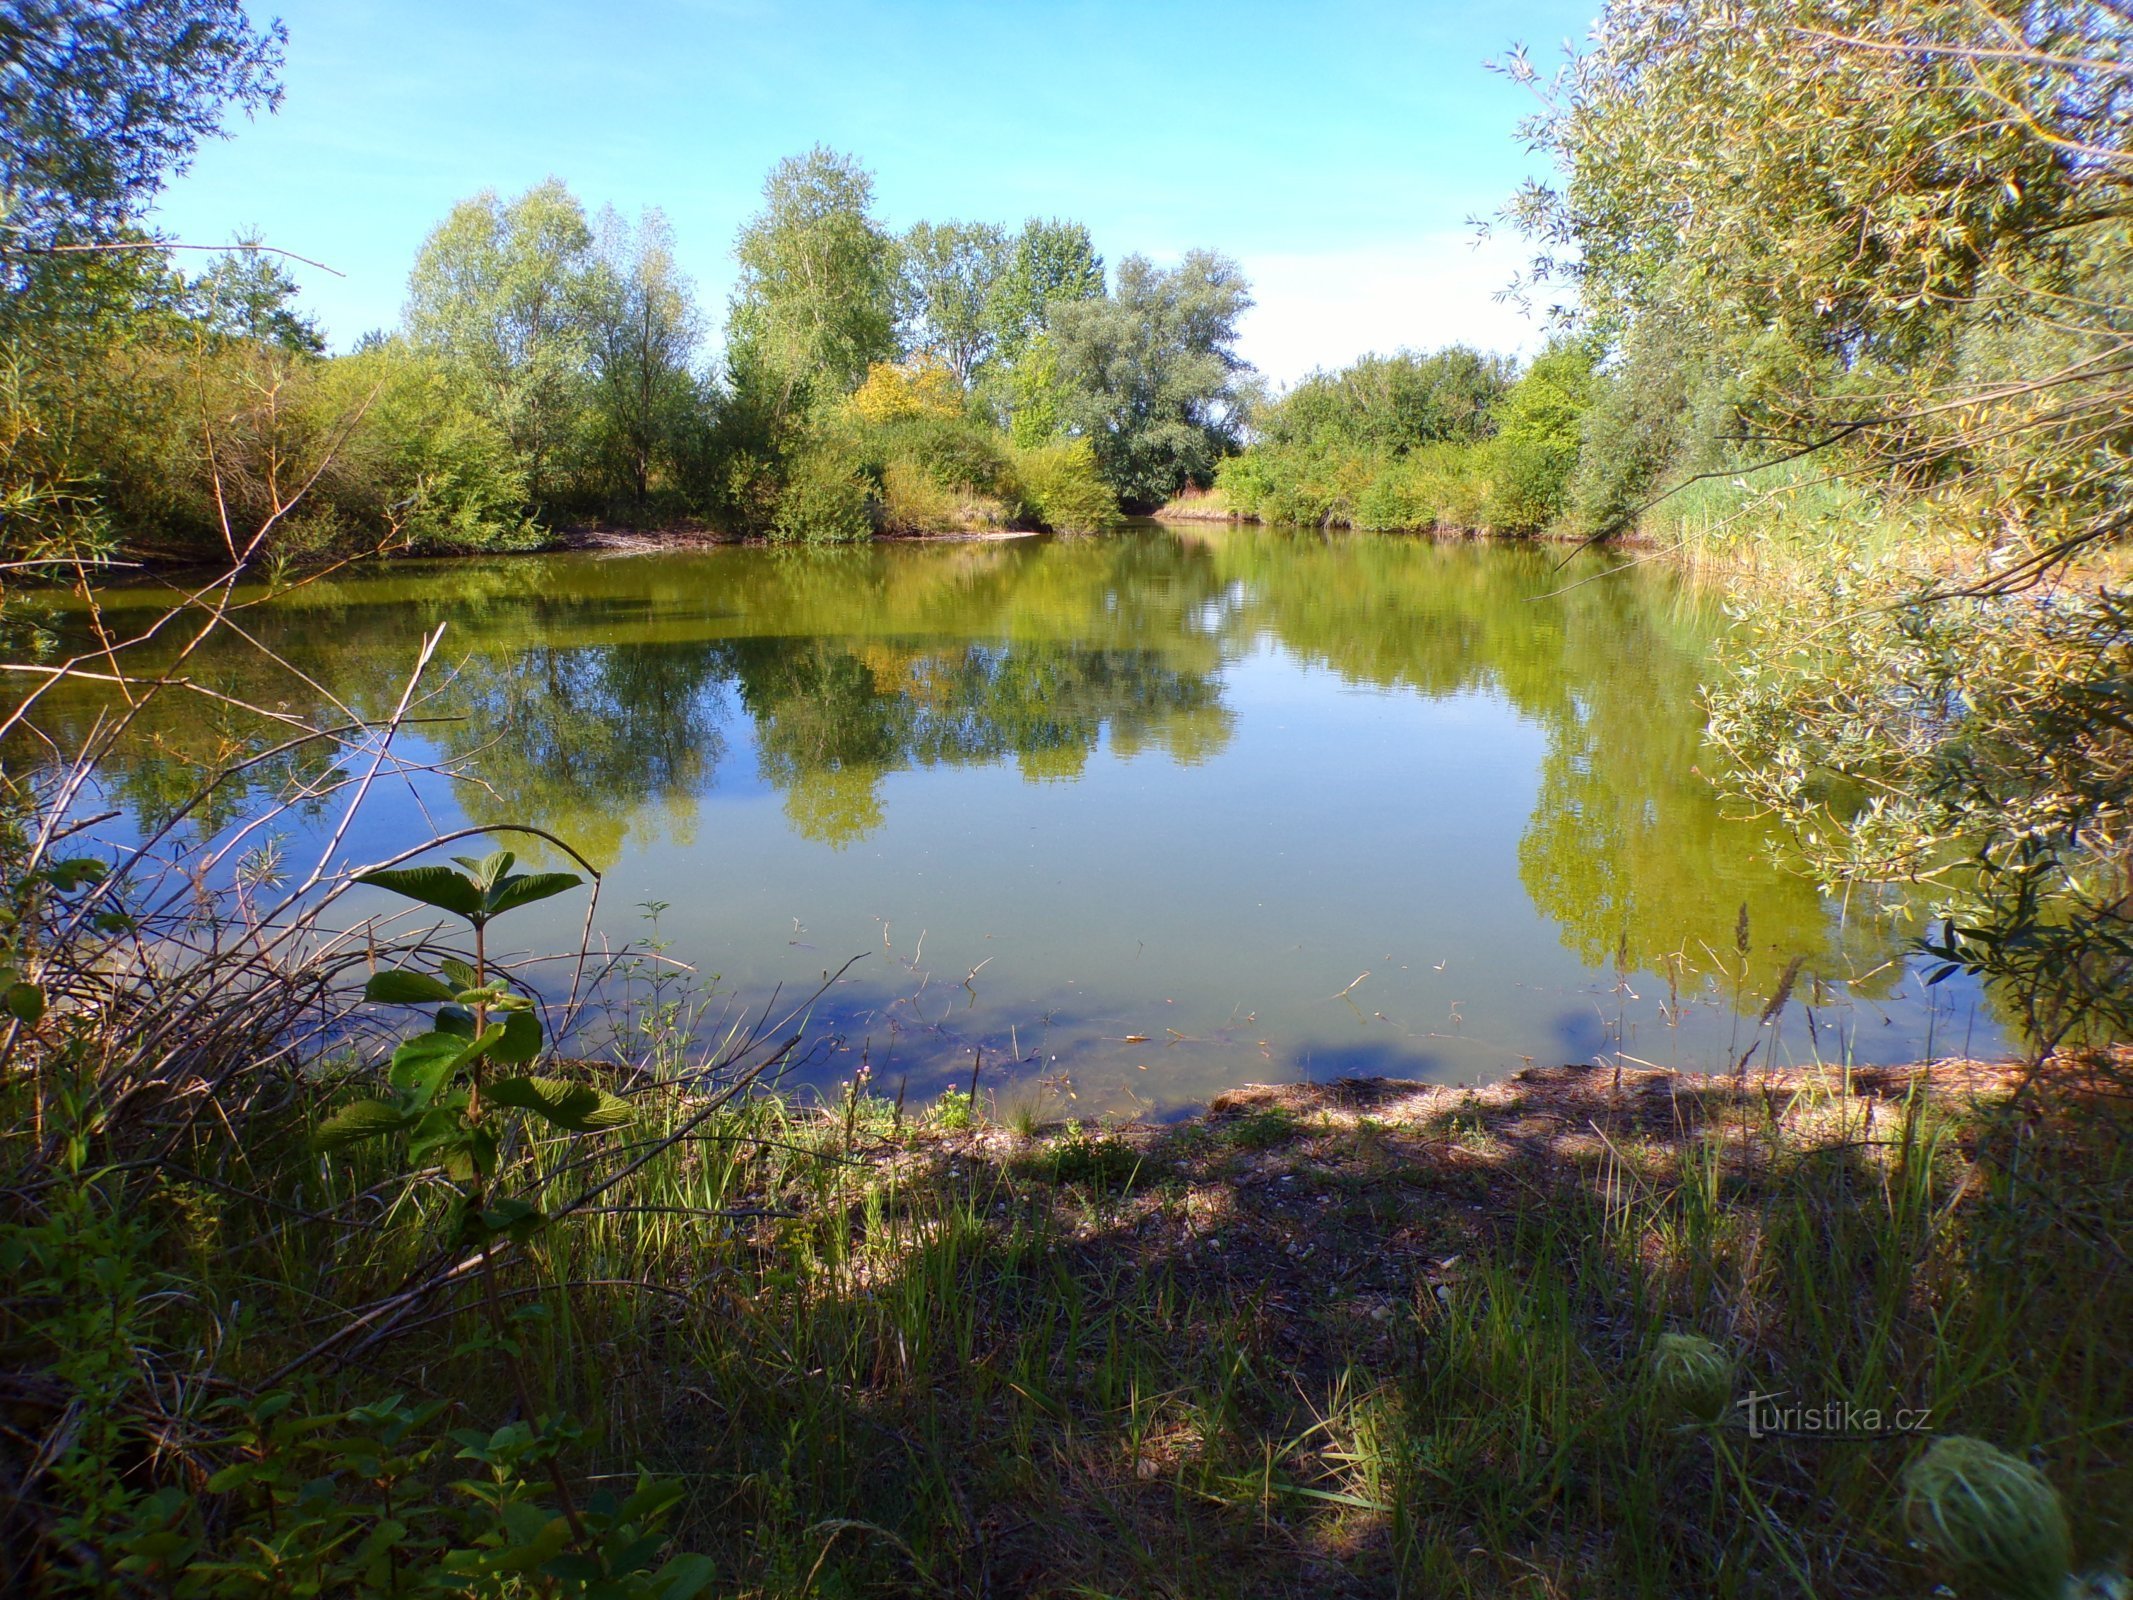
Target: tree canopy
(1049, 261)
(1900, 233)
(816, 302)
(102, 100)
(645, 330)
(247, 293)
(949, 270)
(1148, 374)
(504, 291)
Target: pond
(1131, 819)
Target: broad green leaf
(234, 1476)
(433, 886)
(400, 988)
(424, 1063)
(26, 1002)
(438, 1135)
(488, 869)
(456, 1020)
(472, 1155)
(578, 1107)
(634, 1556)
(359, 1120)
(458, 973)
(521, 1040)
(683, 1578)
(653, 1496)
(527, 888)
(69, 875)
(518, 1219)
(485, 1041)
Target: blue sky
(1335, 149)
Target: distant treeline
(1457, 439)
(554, 367)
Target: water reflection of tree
(590, 697)
(1627, 849)
(831, 720)
(588, 743)
(593, 694)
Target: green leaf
(433, 886)
(357, 1121)
(474, 1156)
(399, 988)
(234, 1476)
(518, 1219)
(683, 1578)
(26, 1002)
(633, 1557)
(69, 875)
(653, 1496)
(488, 869)
(578, 1107)
(485, 1041)
(458, 973)
(456, 1020)
(441, 1129)
(527, 888)
(521, 1040)
(425, 1063)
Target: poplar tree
(816, 301)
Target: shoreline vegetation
(1355, 1338)
(337, 1263)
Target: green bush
(825, 500)
(1062, 488)
(357, 451)
(959, 454)
(1655, 413)
(1453, 479)
(422, 459)
(1528, 484)
(911, 502)
(1245, 481)
(938, 473)
(1396, 500)
(1433, 486)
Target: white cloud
(1325, 308)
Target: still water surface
(1187, 809)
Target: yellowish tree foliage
(922, 387)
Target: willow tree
(101, 101)
(1148, 375)
(645, 330)
(1049, 262)
(246, 293)
(1906, 229)
(505, 292)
